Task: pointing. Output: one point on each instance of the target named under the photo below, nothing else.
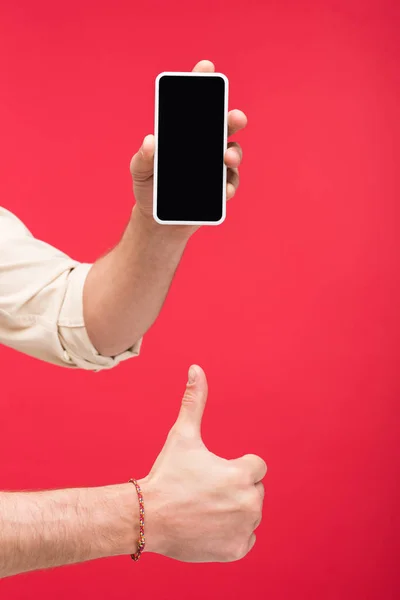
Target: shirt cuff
(78, 349)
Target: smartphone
(191, 129)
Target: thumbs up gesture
(200, 507)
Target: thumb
(141, 166)
(193, 404)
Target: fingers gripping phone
(191, 112)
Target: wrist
(127, 528)
(173, 234)
(153, 516)
(126, 519)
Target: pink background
(292, 306)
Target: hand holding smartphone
(191, 111)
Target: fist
(200, 507)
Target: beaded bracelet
(141, 542)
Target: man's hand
(200, 507)
(125, 290)
(142, 163)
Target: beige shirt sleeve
(41, 308)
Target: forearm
(39, 530)
(125, 290)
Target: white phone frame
(191, 74)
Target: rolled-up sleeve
(41, 301)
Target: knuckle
(189, 397)
(248, 510)
(262, 463)
(258, 517)
(252, 507)
(252, 541)
(258, 462)
(253, 457)
(232, 554)
(255, 505)
(240, 551)
(261, 490)
(247, 477)
(236, 473)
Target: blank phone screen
(190, 146)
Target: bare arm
(39, 530)
(198, 507)
(125, 290)
(41, 308)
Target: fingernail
(192, 375)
